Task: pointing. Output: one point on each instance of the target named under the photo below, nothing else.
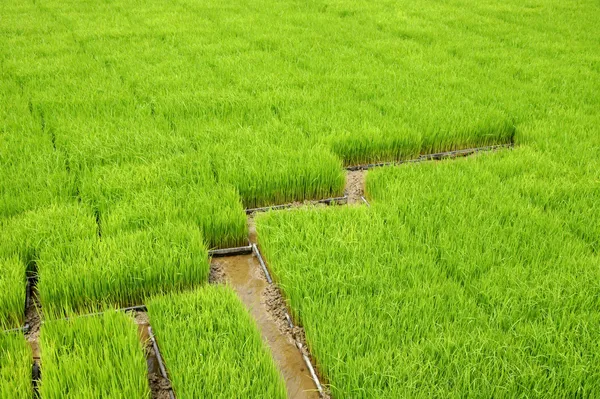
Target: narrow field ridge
(433, 157)
(158, 379)
(355, 185)
(326, 201)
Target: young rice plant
(93, 357)
(121, 270)
(15, 366)
(212, 347)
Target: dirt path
(355, 186)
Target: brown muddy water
(244, 275)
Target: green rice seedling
(23, 237)
(218, 214)
(372, 81)
(431, 136)
(15, 367)
(103, 187)
(180, 188)
(93, 357)
(12, 292)
(488, 267)
(264, 175)
(376, 146)
(31, 172)
(27, 234)
(453, 283)
(453, 72)
(477, 131)
(114, 134)
(223, 355)
(120, 270)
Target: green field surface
(93, 357)
(23, 238)
(12, 293)
(15, 367)
(274, 96)
(133, 135)
(88, 275)
(276, 109)
(79, 272)
(443, 290)
(177, 189)
(211, 346)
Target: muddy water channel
(244, 274)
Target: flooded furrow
(244, 275)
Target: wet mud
(355, 186)
(277, 308)
(33, 321)
(160, 387)
(252, 236)
(217, 273)
(244, 275)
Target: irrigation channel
(247, 273)
(244, 274)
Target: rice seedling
(23, 237)
(15, 367)
(375, 86)
(103, 187)
(109, 140)
(222, 224)
(405, 142)
(177, 189)
(12, 292)
(27, 234)
(453, 283)
(120, 270)
(265, 176)
(475, 279)
(93, 357)
(30, 165)
(223, 355)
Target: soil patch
(252, 236)
(217, 273)
(355, 186)
(33, 320)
